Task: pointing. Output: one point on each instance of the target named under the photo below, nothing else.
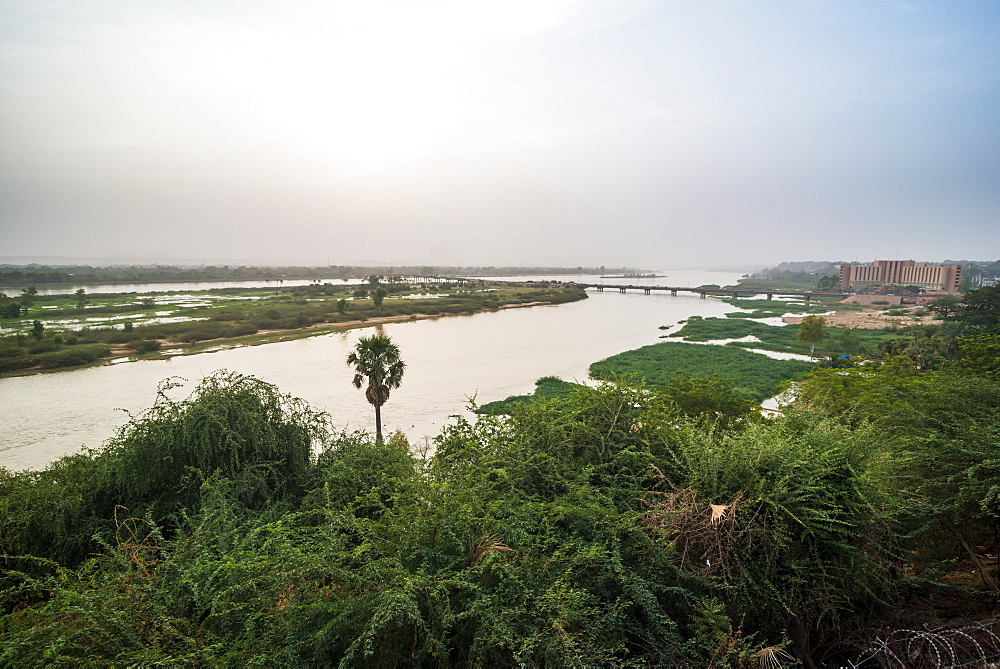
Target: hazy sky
(616, 132)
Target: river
(450, 360)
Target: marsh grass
(751, 375)
(773, 337)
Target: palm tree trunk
(378, 423)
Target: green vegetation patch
(546, 388)
(781, 338)
(237, 527)
(48, 354)
(771, 308)
(752, 375)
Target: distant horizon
(68, 261)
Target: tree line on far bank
(23, 275)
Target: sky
(625, 133)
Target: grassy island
(62, 330)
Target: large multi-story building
(944, 278)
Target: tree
(28, 297)
(946, 306)
(8, 307)
(811, 331)
(828, 282)
(849, 342)
(81, 298)
(711, 398)
(376, 361)
(37, 330)
(981, 308)
(378, 296)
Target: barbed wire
(976, 645)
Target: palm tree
(376, 360)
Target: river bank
(186, 324)
(169, 349)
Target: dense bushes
(48, 353)
(217, 330)
(576, 532)
(73, 355)
(234, 428)
(144, 345)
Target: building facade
(944, 278)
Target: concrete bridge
(704, 292)
(807, 295)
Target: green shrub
(12, 363)
(144, 345)
(232, 426)
(9, 349)
(546, 388)
(574, 533)
(217, 330)
(43, 346)
(69, 357)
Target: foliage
(752, 375)
(980, 308)
(9, 308)
(710, 399)
(803, 540)
(232, 427)
(539, 539)
(793, 276)
(144, 345)
(940, 430)
(546, 388)
(72, 356)
(980, 354)
(946, 306)
(28, 297)
(772, 308)
(782, 338)
(218, 330)
(811, 331)
(48, 353)
(378, 296)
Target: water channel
(449, 360)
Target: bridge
(704, 292)
(807, 295)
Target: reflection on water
(450, 360)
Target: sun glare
(365, 84)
